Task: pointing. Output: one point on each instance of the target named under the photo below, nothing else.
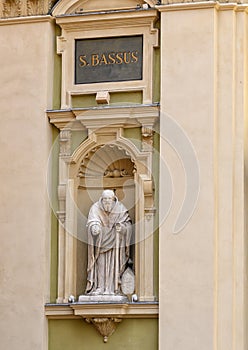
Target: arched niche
(65, 7)
(106, 160)
(106, 166)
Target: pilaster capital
(20, 8)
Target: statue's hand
(119, 228)
(95, 230)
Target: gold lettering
(134, 56)
(99, 59)
(103, 60)
(119, 58)
(111, 57)
(127, 57)
(94, 60)
(83, 61)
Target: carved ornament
(66, 7)
(105, 326)
(18, 8)
(65, 142)
(107, 161)
(147, 137)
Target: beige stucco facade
(202, 287)
(27, 81)
(203, 292)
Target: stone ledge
(81, 310)
(184, 5)
(124, 116)
(25, 20)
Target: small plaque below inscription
(108, 59)
(127, 282)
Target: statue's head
(108, 200)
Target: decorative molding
(68, 7)
(18, 8)
(65, 142)
(63, 119)
(108, 116)
(91, 310)
(11, 8)
(107, 161)
(34, 7)
(110, 20)
(24, 20)
(147, 137)
(61, 216)
(105, 326)
(59, 311)
(183, 5)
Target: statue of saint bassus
(109, 234)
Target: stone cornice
(28, 19)
(23, 8)
(177, 5)
(105, 20)
(97, 117)
(78, 310)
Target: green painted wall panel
(77, 137)
(57, 78)
(116, 98)
(131, 334)
(134, 135)
(156, 76)
(126, 98)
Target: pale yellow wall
(26, 67)
(202, 288)
(202, 271)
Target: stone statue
(109, 233)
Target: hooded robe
(102, 247)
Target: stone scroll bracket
(105, 326)
(147, 137)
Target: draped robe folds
(102, 247)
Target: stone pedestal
(102, 298)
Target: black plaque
(108, 59)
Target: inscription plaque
(108, 59)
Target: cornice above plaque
(99, 117)
(22, 8)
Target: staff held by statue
(118, 230)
